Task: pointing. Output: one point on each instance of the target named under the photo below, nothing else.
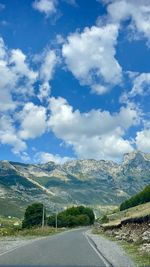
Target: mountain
(88, 182)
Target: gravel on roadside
(111, 251)
(10, 243)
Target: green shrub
(104, 219)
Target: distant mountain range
(88, 182)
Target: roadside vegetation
(35, 215)
(37, 223)
(140, 198)
(141, 258)
(130, 227)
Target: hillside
(140, 198)
(118, 218)
(134, 209)
(88, 182)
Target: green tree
(33, 215)
(72, 217)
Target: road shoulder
(110, 250)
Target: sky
(74, 79)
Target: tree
(33, 215)
(72, 217)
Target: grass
(33, 232)
(11, 226)
(8, 221)
(39, 231)
(140, 258)
(135, 212)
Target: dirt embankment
(132, 231)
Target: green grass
(140, 258)
(134, 212)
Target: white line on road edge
(100, 255)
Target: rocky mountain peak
(135, 156)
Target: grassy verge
(11, 227)
(140, 258)
(18, 232)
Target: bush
(33, 216)
(104, 219)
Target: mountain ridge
(87, 181)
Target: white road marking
(97, 252)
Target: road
(68, 249)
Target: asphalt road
(68, 249)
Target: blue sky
(74, 79)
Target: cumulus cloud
(17, 86)
(95, 134)
(143, 140)
(44, 157)
(90, 56)
(16, 77)
(137, 11)
(9, 136)
(32, 121)
(48, 7)
(46, 73)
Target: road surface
(68, 249)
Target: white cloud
(108, 147)
(90, 56)
(19, 65)
(18, 78)
(44, 157)
(8, 135)
(33, 121)
(141, 85)
(48, 7)
(17, 85)
(138, 11)
(95, 134)
(143, 140)
(15, 76)
(46, 73)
